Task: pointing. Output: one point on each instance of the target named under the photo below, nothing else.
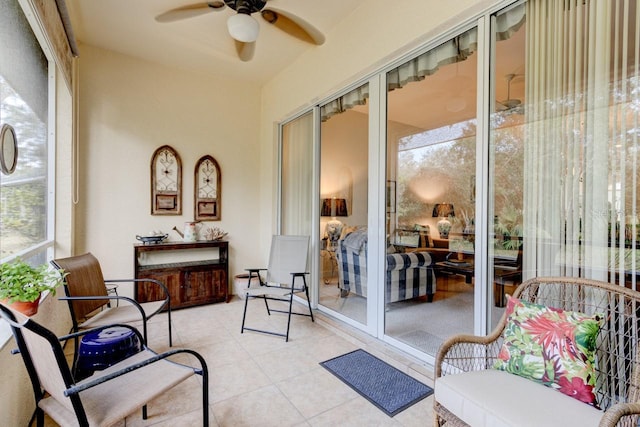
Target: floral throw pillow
(551, 346)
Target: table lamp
(333, 208)
(444, 211)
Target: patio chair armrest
(257, 274)
(616, 412)
(156, 358)
(464, 353)
(157, 282)
(99, 297)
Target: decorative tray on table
(151, 240)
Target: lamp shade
(325, 210)
(243, 27)
(341, 207)
(443, 210)
(334, 207)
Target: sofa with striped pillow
(408, 275)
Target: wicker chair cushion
(493, 398)
(551, 346)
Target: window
(25, 195)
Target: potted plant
(21, 284)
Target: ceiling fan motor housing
(246, 6)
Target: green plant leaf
(19, 281)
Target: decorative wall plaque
(207, 190)
(166, 182)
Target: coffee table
(464, 268)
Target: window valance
(339, 105)
(455, 50)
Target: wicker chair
(617, 367)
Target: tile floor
(260, 380)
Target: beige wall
(361, 44)
(129, 108)
(343, 166)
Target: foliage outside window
(24, 104)
(441, 157)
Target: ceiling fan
(509, 104)
(242, 27)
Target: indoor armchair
(407, 275)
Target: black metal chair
(89, 300)
(105, 397)
(287, 262)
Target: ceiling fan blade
(245, 50)
(293, 25)
(190, 11)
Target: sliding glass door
(431, 152)
(504, 161)
(344, 193)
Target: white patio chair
(285, 276)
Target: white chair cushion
(493, 398)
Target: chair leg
(306, 290)
(144, 412)
(169, 320)
(244, 314)
(76, 354)
(38, 416)
(205, 396)
(266, 304)
(286, 338)
(144, 330)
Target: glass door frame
(375, 201)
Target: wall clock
(8, 149)
(166, 182)
(207, 181)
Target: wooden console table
(191, 271)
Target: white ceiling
(200, 43)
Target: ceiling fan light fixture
(243, 27)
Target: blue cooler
(100, 349)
